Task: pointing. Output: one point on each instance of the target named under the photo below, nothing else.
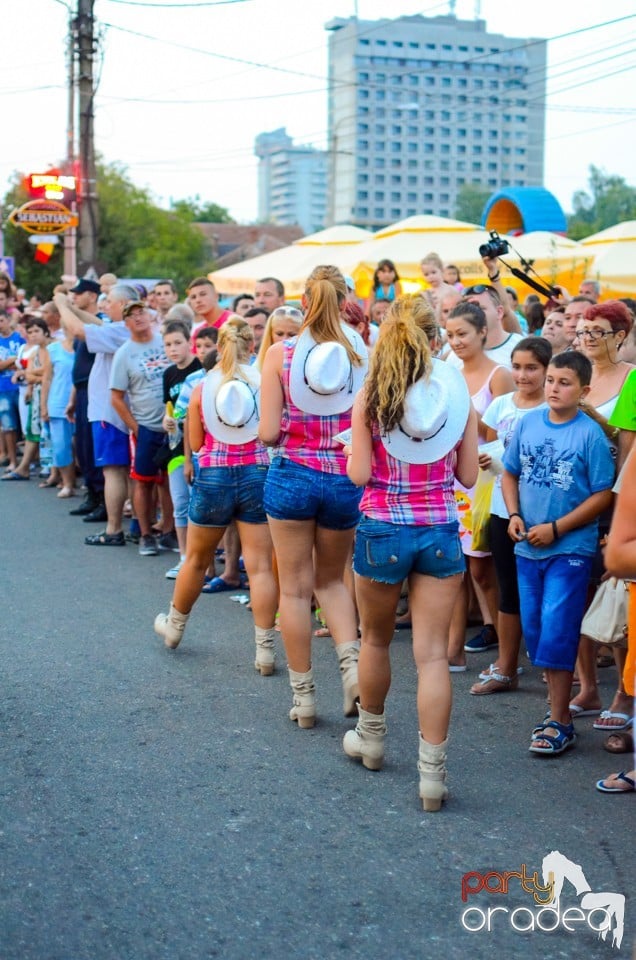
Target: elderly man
(269, 293)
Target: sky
(184, 89)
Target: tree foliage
(471, 200)
(610, 200)
(137, 238)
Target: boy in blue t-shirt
(10, 342)
(558, 478)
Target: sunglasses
(480, 288)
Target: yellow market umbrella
(292, 265)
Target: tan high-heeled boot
(170, 626)
(366, 742)
(304, 690)
(348, 654)
(432, 768)
(265, 656)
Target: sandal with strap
(494, 683)
(104, 539)
(563, 739)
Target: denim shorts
(552, 592)
(9, 411)
(222, 494)
(389, 552)
(296, 492)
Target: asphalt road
(161, 805)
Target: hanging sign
(43, 216)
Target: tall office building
(419, 106)
(292, 182)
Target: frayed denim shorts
(296, 492)
(389, 552)
(222, 494)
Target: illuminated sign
(51, 185)
(43, 216)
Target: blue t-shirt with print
(9, 348)
(559, 465)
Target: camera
(496, 247)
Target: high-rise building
(292, 182)
(419, 106)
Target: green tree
(137, 238)
(610, 200)
(198, 212)
(471, 200)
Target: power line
(165, 6)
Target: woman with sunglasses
(600, 334)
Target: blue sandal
(562, 740)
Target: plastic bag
(606, 618)
(481, 510)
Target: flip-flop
(577, 711)
(457, 668)
(14, 476)
(628, 721)
(615, 778)
(219, 585)
(624, 743)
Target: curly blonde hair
(402, 356)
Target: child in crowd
(176, 343)
(386, 282)
(37, 368)
(530, 359)
(452, 277)
(433, 272)
(10, 342)
(557, 480)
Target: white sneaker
(173, 573)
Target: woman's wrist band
(514, 514)
(494, 277)
(555, 530)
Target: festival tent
(555, 258)
(610, 258)
(292, 265)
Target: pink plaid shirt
(213, 453)
(306, 438)
(419, 494)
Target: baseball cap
(84, 285)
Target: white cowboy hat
(231, 408)
(322, 379)
(435, 414)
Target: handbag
(606, 617)
(481, 511)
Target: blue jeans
(389, 552)
(180, 496)
(222, 494)
(552, 594)
(296, 492)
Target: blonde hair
(235, 346)
(424, 317)
(434, 259)
(286, 313)
(325, 293)
(402, 356)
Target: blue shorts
(296, 492)
(143, 449)
(110, 445)
(61, 441)
(552, 593)
(9, 411)
(389, 552)
(222, 494)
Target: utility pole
(70, 236)
(88, 212)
